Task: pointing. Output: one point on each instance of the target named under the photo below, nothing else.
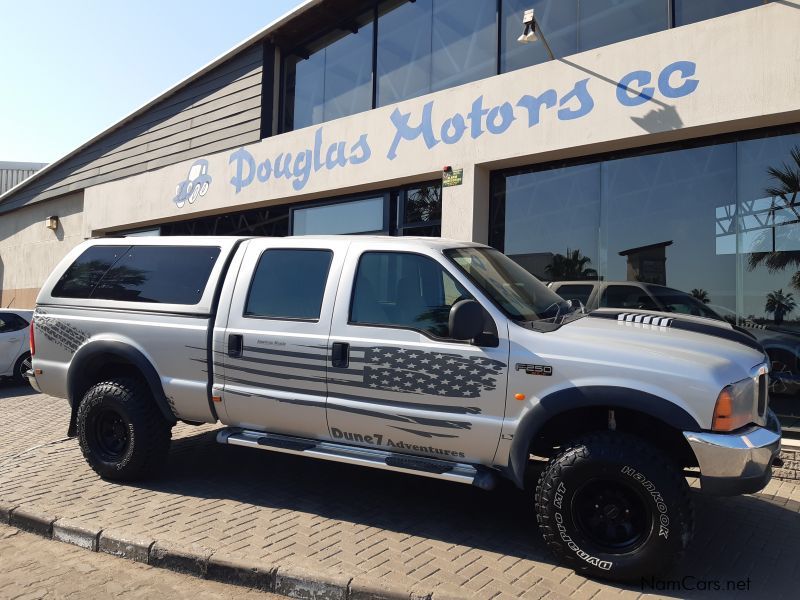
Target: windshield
(518, 293)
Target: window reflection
(691, 11)
(603, 22)
(559, 21)
(334, 81)
(646, 222)
(429, 45)
(359, 216)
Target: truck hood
(665, 340)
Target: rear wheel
(122, 433)
(610, 506)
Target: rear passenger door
(273, 361)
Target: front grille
(763, 386)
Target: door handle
(340, 355)
(235, 345)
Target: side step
(354, 455)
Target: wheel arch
(564, 405)
(99, 359)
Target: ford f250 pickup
(421, 356)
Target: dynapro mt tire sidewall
(148, 432)
(665, 498)
(99, 399)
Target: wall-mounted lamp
(51, 223)
(533, 32)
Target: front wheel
(610, 505)
(122, 433)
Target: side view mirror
(466, 320)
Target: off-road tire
(23, 364)
(128, 406)
(638, 478)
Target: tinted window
(575, 292)
(289, 284)
(162, 274)
(627, 296)
(80, 279)
(358, 216)
(431, 45)
(464, 45)
(11, 322)
(691, 11)
(334, 81)
(404, 51)
(558, 20)
(404, 290)
(603, 22)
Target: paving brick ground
(33, 567)
(417, 533)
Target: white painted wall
(29, 250)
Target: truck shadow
(740, 539)
(11, 389)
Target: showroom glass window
(431, 45)
(704, 229)
(334, 81)
(691, 11)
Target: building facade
(660, 145)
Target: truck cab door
(271, 359)
(395, 379)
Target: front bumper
(739, 462)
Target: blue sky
(72, 68)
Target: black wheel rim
(111, 435)
(612, 515)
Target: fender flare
(585, 397)
(76, 375)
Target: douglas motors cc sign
(418, 130)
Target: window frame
(427, 334)
(245, 314)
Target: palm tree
(701, 295)
(784, 194)
(780, 304)
(572, 265)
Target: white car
(15, 353)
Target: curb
(292, 580)
(32, 520)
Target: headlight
(734, 406)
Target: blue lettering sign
(686, 70)
(242, 158)
(634, 89)
(623, 89)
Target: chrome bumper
(738, 462)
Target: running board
(354, 455)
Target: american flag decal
(419, 372)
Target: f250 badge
(545, 370)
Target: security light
(51, 223)
(533, 32)
(529, 34)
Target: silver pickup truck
(421, 356)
